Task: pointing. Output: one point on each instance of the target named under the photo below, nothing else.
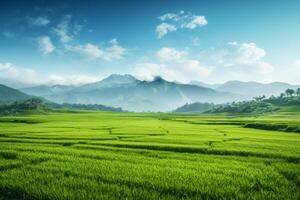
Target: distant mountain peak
(120, 77)
(158, 79)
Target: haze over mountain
(249, 89)
(137, 95)
(132, 94)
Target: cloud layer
(24, 76)
(92, 51)
(236, 61)
(173, 65)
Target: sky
(213, 41)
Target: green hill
(8, 94)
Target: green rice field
(107, 155)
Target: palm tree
(282, 95)
(289, 92)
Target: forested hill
(8, 94)
(259, 104)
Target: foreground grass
(101, 155)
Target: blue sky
(75, 42)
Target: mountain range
(136, 95)
(132, 94)
(249, 89)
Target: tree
(298, 92)
(282, 95)
(259, 98)
(289, 92)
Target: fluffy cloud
(244, 57)
(39, 21)
(8, 71)
(233, 61)
(45, 45)
(174, 21)
(147, 71)
(13, 74)
(164, 28)
(185, 71)
(91, 51)
(167, 54)
(174, 65)
(196, 21)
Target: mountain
(250, 89)
(114, 80)
(8, 94)
(135, 95)
(45, 91)
(207, 85)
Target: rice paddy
(106, 155)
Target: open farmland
(105, 155)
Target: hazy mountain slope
(46, 91)
(207, 85)
(251, 89)
(114, 80)
(8, 94)
(131, 94)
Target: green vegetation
(98, 107)
(111, 155)
(258, 105)
(38, 105)
(29, 106)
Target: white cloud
(88, 50)
(54, 79)
(147, 71)
(91, 51)
(195, 69)
(174, 65)
(168, 16)
(39, 21)
(45, 45)
(245, 57)
(12, 73)
(184, 71)
(164, 28)
(174, 21)
(169, 54)
(8, 71)
(5, 66)
(62, 30)
(197, 21)
(234, 61)
(114, 52)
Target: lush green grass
(102, 155)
